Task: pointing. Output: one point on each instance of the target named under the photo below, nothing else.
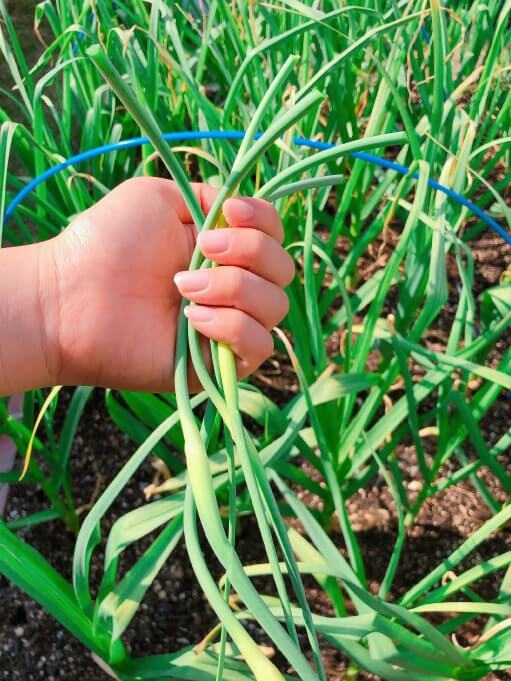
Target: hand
(116, 275)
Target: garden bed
(439, 118)
(175, 613)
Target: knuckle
(284, 306)
(248, 247)
(128, 187)
(131, 182)
(286, 272)
(134, 184)
(256, 247)
(288, 269)
(277, 222)
(266, 348)
(237, 326)
(149, 194)
(272, 211)
(235, 285)
(272, 218)
(281, 307)
(244, 369)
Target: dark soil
(22, 16)
(175, 613)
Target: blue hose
(235, 135)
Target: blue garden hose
(236, 135)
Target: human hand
(116, 277)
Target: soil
(22, 15)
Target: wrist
(62, 304)
(29, 355)
(50, 304)
(71, 310)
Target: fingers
(237, 288)
(169, 190)
(250, 342)
(251, 249)
(165, 193)
(239, 212)
(256, 213)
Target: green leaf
(496, 299)
(134, 525)
(119, 606)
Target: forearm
(28, 314)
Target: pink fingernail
(243, 209)
(199, 313)
(191, 282)
(216, 241)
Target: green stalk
(197, 461)
(272, 42)
(203, 490)
(260, 665)
(363, 345)
(148, 124)
(327, 156)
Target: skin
(98, 304)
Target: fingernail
(216, 241)
(198, 313)
(191, 282)
(244, 210)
